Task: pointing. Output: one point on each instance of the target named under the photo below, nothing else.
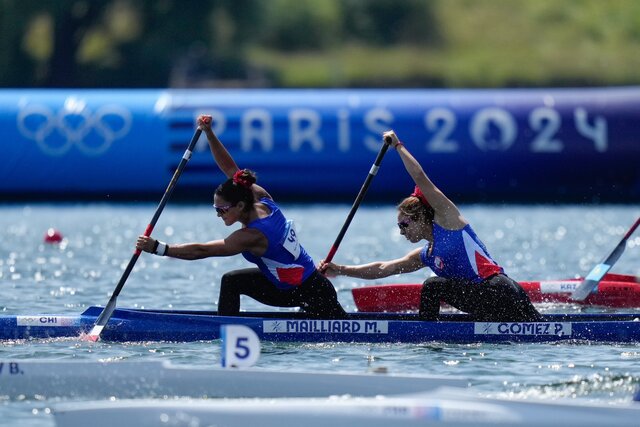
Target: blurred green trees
(318, 43)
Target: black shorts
(496, 299)
(316, 295)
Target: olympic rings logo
(92, 133)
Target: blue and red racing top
(285, 263)
(459, 254)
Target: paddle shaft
(363, 190)
(597, 273)
(111, 305)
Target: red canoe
(615, 290)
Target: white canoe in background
(96, 380)
(441, 408)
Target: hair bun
(244, 177)
(418, 193)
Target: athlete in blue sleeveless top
(285, 263)
(467, 278)
(285, 276)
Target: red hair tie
(241, 180)
(418, 193)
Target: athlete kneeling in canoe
(286, 275)
(467, 277)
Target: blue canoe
(172, 325)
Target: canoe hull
(184, 326)
(617, 290)
(38, 379)
(446, 407)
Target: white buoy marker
(240, 346)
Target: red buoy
(52, 236)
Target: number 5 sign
(240, 346)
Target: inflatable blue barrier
(543, 145)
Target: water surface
(531, 242)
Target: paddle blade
(103, 319)
(590, 282)
(94, 335)
(597, 273)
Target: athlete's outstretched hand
(329, 269)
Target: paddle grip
(147, 233)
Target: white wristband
(162, 248)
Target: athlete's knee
(432, 285)
(237, 279)
(226, 279)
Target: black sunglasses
(221, 210)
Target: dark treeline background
(319, 43)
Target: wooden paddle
(597, 273)
(104, 317)
(363, 190)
